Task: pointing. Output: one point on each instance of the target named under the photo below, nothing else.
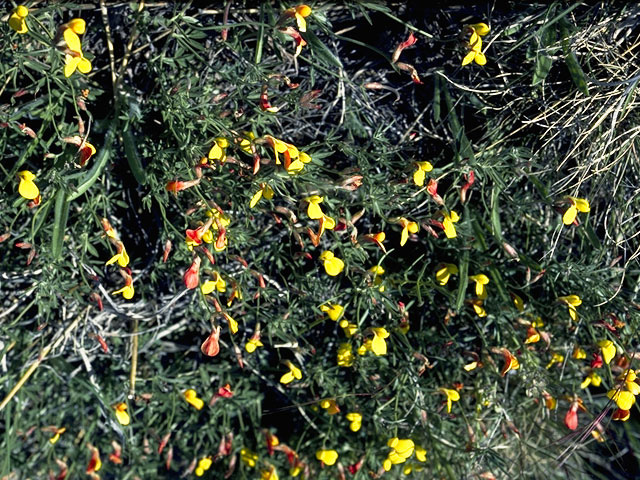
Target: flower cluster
(122, 258)
(293, 159)
(401, 451)
(624, 394)
(300, 13)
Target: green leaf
(547, 38)
(320, 50)
(575, 70)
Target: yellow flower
(364, 348)
(192, 399)
(572, 302)
(265, 191)
(127, 292)
(345, 355)
(378, 343)
(293, 373)
(216, 283)
(75, 59)
(377, 272)
(356, 421)
(421, 454)
(407, 227)
(218, 217)
(480, 29)
(475, 44)
(218, 151)
(326, 222)
(332, 264)
(349, 328)
(270, 474)
(624, 399)
(305, 157)
(480, 281)
(121, 413)
(592, 379)
(248, 457)
(244, 142)
(328, 457)
(401, 450)
(121, 257)
(313, 210)
(17, 19)
(447, 223)
(252, 344)
(478, 308)
(300, 12)
(533, 336)
(579, 353)
(292, 161)
(333, 310)
(445, 270)
(452, 396)
(77, 25)
(27, 188)
(233, 324)
(330, 406)
(56, 435)
(419, 174)
(204, 464)
(555, 358)
(577, 204)
(510, 362)
(518, 302)
(608, 351)
(549, 401)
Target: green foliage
(195, 225)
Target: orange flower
(86, 152)
(94, 462)
(176, 186)
(300, 12)
(510, 362)
(191, 276)
(121, 413)
(571, 418)
(210, 347)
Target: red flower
(94, 461)
(622, 415)
(225, 392)
(85, 153)
(210, 346)
(191, 276)
(469, 181)
(407, 43)
(353, 469)
(571, 418)
(597, 361)
(432, 188)
(176, 185)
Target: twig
(134, 359)
(127, 51)
(107, 31)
